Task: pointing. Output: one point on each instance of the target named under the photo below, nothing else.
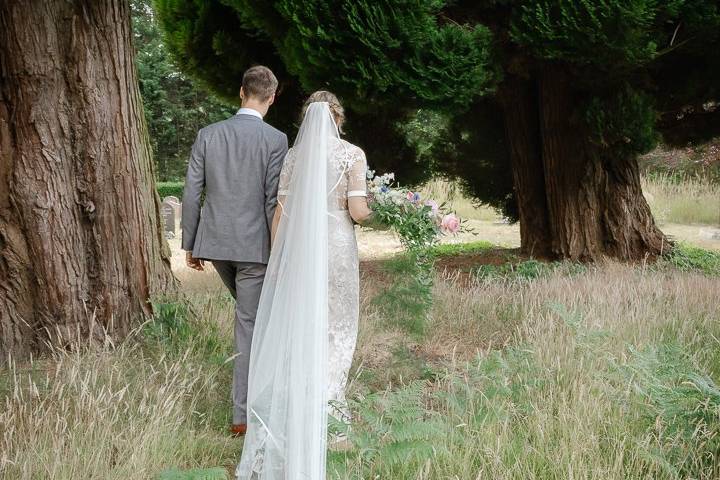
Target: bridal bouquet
(419, 223)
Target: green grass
(470, 248)
(681, 404)
(685, 257)
(526, 270)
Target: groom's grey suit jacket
(237, 163)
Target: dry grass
(516, 378)
(688, 200)
(633, 304)
(511, 386)
(450, 193)
(120, 412)
(543, 397)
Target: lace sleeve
(286, 174)
(357, 175)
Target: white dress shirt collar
(249, 111)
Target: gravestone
(176, 205)
(168, 211)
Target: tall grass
(608, 372)
(672, 199)
(443, 191)
(159, 400)
(684, 199)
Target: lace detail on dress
(343, 277)
(348, 163)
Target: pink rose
(450, 224)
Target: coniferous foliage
(175, 107)
(548, 102)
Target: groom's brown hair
(259, 82)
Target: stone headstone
(175, 202)
(168, 213)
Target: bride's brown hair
(336, 107)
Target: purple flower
(433, 206)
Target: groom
(237, 163)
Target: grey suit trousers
(245, 281)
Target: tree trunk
(595, 203)
(81, 248)
(518, 99)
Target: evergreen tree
(547, 102)
(175, 107)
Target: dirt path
(374, 245)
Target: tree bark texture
(81, 246)
(576, 201)
(519, 103)
(595, 203)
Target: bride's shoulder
(352, 151)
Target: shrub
(687, 258)
(166, 189)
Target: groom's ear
(242, 94)
(272, 100)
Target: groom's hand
(194, 263)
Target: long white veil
(288, 383)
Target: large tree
(548, 102)
(81, 249)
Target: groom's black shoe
(238, 429)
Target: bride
(306, 325)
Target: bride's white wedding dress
(349, 166)
(306, 325)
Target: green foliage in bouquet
(418, 224)
(407, 301)
(413, 225)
